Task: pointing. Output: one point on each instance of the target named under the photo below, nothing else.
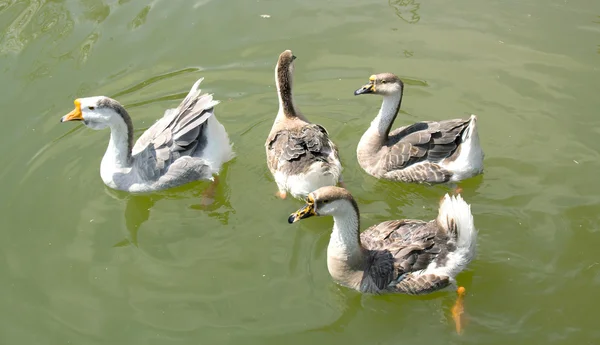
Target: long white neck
(387, 114)
(118, 152)
(344, 242)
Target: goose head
(325, 201)
(97, 112)
(285, 65)
(381, 84)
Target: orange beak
(74, 115)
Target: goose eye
(91, 108)
(383, 81)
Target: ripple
(155, 79)
(96, 11)
(407, 10)
(141, 18)
(86, 47)
(85, 264)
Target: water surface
(82, 264)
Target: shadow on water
(412, 191)
(209, 197)
(407, 10)
(350, 305)
(349, 302)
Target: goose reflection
(414, 194)
(209, 197)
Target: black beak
(307, 211)
(294, 57)
(369, 88)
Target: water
(82, 264)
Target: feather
(180, 133)
(412, 153)
(293, 151)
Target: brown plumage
(422, 152)
(399, 247)
(292, 151)
(300, 154)
(397, 256)
(423, 142)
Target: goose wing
(412, 151)
(293, 151)
(179, 133)
(400, 247)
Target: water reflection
(140, 19)
(209, 197)
(349, 304)
(407, 10)
(391, 195)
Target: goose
(300, 155)
(187, 144)
(424, 152)
(407, 256)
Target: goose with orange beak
(187, 144)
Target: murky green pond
(82, 264)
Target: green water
(82, 264)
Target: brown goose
(425, 152)
(300, 154)
(398, 256)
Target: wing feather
(294, 150)
(400, 247)
(413, 151)
(180, 132)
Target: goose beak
(369, 88)
(307, 211)
(74, 115)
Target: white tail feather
(454, 208)
(472, 129)
(470, 158)
(456, 218)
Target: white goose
(188, 143)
